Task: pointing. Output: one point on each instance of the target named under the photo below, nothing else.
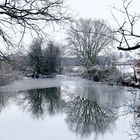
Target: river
(68, 108)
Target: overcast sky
(100, 9)
(91, 8)
(95, 9)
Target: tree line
(44, 60)
(86, 38)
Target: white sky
(100, 9)
(91, 8)
(95, 9)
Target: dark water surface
(68, 109)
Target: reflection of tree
(39, 101)
(134, 107)
(135, 127)
(131, 109)
(4, 99)
(86, 116)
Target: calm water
(67, 108)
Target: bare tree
(35, 56)
(128, 39)
(51, 58)
(21, 16)
(87, 38)
(8, 72)
(44, 61)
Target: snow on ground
(126, 69)
(72, 82)
(74, 70)
(26, 84)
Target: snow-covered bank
(121, 75)
(30, 83)
(60, 81)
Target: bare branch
(29, 15)
(129, 49)
(87, 38)
(126, 30)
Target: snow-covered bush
(8, 73)
(109, 74)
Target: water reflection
(103, 95)
(131, 109)
(86, 116)
(87, 110)
(4, 99)
(41, 101)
